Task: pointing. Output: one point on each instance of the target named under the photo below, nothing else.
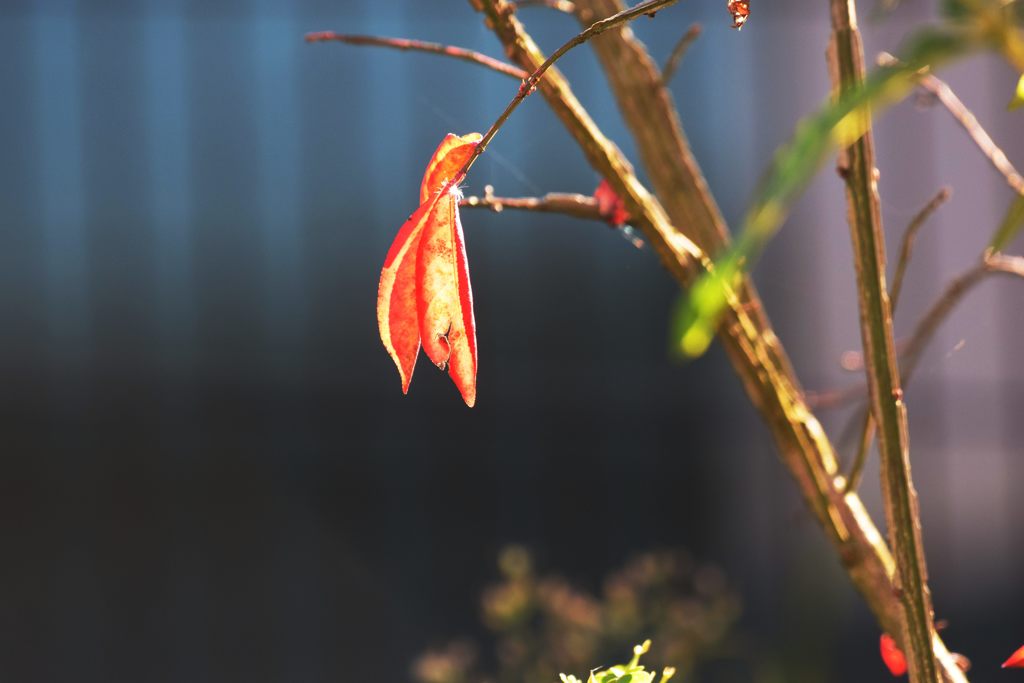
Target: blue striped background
(208, 472)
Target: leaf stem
(941, 90)
(755, 350)
(857, 166)
(907, 243)
(570, 204)
(419, 46)
(991, 264)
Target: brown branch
(575, 205)
(991, 264)
(753, 347)
(907, 244)
(420, 46)
(924, 331)
(941, 90)
(867, 431)
(853, 360)
(927, 326)
(678, 52)
(857, 166)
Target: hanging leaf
(425, 295)
(892, 655)
(1016, 660)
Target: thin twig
(941, 90)
(991, 264)
(570, 204)
(907, 244)
(529, 84)
(420, 46)
(560, 5)
(927, 326)
(678, 52)
(867, 431)
(900, 499)
(747, 335)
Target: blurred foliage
(543, 625)
(971, 25)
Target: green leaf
(633, 672)
(1018, 95)
(1013, 221)
(836, 124)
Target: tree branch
(857, 166)
(420, 46)
(991, 264)
(941, 90)
(927, 326)
(867, 431)
(752, 345)
(907, 243)
(648, 8)
(575, 205)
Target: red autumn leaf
(425, 294)
(740, 11)
(610, 205)
(1016, 660)
(892, 655)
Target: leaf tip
(1016, 660)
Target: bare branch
(941, 90)
(991, 264)
(678, 52)
(570, 204)
(648, 8)
(420, 46)
(907, 245)
(748, 337)
(853, 361)
(867, 432)
(927, 326)
(917, 631)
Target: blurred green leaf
(1012, 222)
(837, 124)
(1018, 95)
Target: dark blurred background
(208, 470)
